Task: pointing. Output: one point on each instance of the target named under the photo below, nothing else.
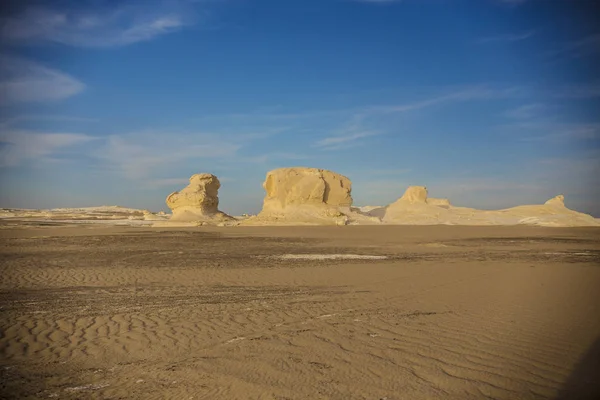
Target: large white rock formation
(198, 201)
(306, 196)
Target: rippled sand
(263, 313)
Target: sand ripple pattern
(141, 317)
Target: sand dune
(436, 312)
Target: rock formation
(305, 196)
(306, 186)
(198, 201)
(438, 202)
(558, 201)
(415, 208)
(414, 194)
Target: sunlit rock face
(198, 201)
(305, 195)
(416, 208)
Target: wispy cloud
(139, 156)
(526, 111)
(359, 114)
(583, 47)
(158, 183)
(565, 132)
(459, 95)
(512, 2)
(26, 81)
(97, 27)
(582, 168)
(388, 171)
(490, 185)
(18, 147)
(377, 1)
(489, 192)
(19, 119)
(508, 37)
(267, 158)
(338, 142)
(582, 91)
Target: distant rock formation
(415, 208)
(552, 213)
(198, 201)
(150, 216)
(305, 196)
(367, 209)
(558, 201)
(414, 194)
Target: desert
(299, 200)
(310, 298)
(298, 312)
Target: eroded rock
(198, 201)
(305, 195)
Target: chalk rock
(150, 216)
(367, 209)
(306, 196)
(556, 201)
(198, 201)
(415, 208)
(438, 202)
(306, 186)
(414, 194)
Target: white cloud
(18, 147)
(488, 185)
(462, 94)
(509, 37)
(513, 2)
(586, 46)
(351, 136)
(343, 141)
(86, 27)
(24, 118)
(586, 164)
(565, 132)
(273, 157)
(525, 111)
(157, 183)
(26, 81)
(387, 171)
(139, 156)
(587, 91)
(377, 1)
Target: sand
(453, 312)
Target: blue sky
(491, 103)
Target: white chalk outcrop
(438, 202)
(198, 202)
(552, 213)
(109, 215)
(367, 209)
(306, 196)
(557, 201)
(413, 208)
(416, 208)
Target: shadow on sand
(584, 381)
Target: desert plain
(291, 312)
